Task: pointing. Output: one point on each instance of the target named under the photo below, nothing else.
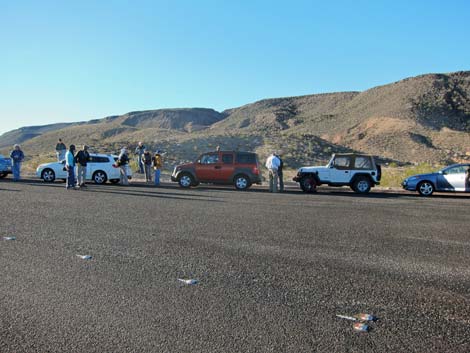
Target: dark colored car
(5, 166)
(454, 178)
(240, 169)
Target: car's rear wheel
(99, 177)
(241, 182)
(362, 185)
(425, 188)
(185, 180)
(48, 175)
(308, 183)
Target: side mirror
(442, 172)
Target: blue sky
(79, 60)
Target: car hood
(312, 169)
(51, 164)
(185, 166)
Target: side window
(99, 159)
(457, 170)
(246, 158)
(362, 163)
(227, 158)
(342, 162)
(209, 158)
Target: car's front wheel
(185, 180)
(308, 184)
(99, 177)
(425, 188)
(48, 175)
(362, 185)
(241, 182)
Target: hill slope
(424, 118)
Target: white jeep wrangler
(358, 171)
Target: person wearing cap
(82, 158)
(70, 167)
(17, 157)
(60, 150)
(157, 166)
(272, 164)
(147, 162)
(139, 151)
(123, 161)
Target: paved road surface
(273, 269)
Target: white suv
(360, 172)
(100, 169)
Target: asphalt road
(274, 270)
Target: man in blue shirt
(70, 167)
(17, 156)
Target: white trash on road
(188, 281)
(85, 257)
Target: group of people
(146, 161)
(76, 162)
(274, 164)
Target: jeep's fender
(358, 175)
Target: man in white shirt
(273, 163)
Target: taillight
(255, 170)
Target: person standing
(157, 166)
(467, 179)
(123, 161)
(139, 151)
(17, 157)
(82, 158)
(280, 174)
(147, 162)
(70, 167)
(60, 150)
(272, 163)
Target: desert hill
(419, 119)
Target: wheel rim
(185, 181)
(100, 178)
(48, 175)
(426, 188)
(241, 183)
(362, 186)
(308, 183)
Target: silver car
(454, 178)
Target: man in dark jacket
(60, 150)
(17, 157)
(139, 151)
(82, 158)
(280, 174)
(147, 162)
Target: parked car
(100, 169)
(450, 179)
(358, 171)
(5, 166)
(240, 169)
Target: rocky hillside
(419, 119)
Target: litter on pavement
(188, 281)
(85, 257)
(9, 238)
(361, 327)
(361, 319)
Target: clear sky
(78, 60)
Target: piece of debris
(188, 281)
(347, 317)
(365, 317)
(9, 238)
(85, 257)
(361, 327)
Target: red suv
(240, 169)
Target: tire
(3, 175)
(185, 180)
(48, 175)
(99, 177)
(425, 188)
(308, 184)
(241, 182)
(362, 185)
(114, 181)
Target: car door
(454, 178)
(207, 167)
(340, 169)
(227, 167)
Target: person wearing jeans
(139, 151)
(157, 166)
(280, 174)
(17, 157)
(147, 162)
(122, 162)
(70, 167)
